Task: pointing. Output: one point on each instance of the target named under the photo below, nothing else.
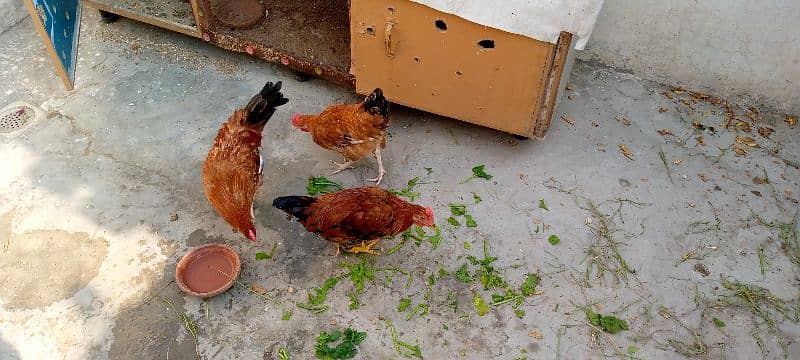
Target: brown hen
(352, 130)
(355, 219)
(232, 171)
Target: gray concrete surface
(740, 50)
(89, 239)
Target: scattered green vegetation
(265, 256)
(632, 349)
(321, 185)
(403, 348)
(765, 307)
(462, 274)
(452, 221)
(477, 198)
(470, 221)
(346, 349)
(316, 301)
(604, 255)
(609, 323)
(478, 172)
(458, 209)
(553, 239)
(481, 307)
(787, 232)
(188, 324)
(404, 304)
(718, 323)
(354, 303)
(408, 191)
(529, 285)
(283, 354)
(419, 235)
(286, 315)
(467, 245)
(543, 205)
(421, 309)
(663, 157)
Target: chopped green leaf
(476, 198)
(321, 185)
(436, 238)
(402, 347)
(478, 172)
(458, 209)
(421, 308)
(530, 283)
(451, 301)
(718, 323)
(543, 205)
(354, 303)
(520, 313)
(470, 221)
(429, 170)
(346, 349)
(359, 273)
(467, 245)
(265, 256)
(403, 305)
(610, 324)
(553, 239)
(283, 354)
(431, 279)
(452, 221)
(316, 300)
(480, 306)
(286, 315)
(632, 350)
(413, 182)
(463, 275)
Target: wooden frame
(60, 70)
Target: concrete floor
(89, 194)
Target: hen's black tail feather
(294, 205)
(262, 105)
(376, 103)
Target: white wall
(730, 48)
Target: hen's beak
(251, 234)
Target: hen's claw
(340, 167)
(364, 248)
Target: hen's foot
(381, 171)
(364, 248)
(340, 167)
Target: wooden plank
(63, 20)
(550, 95)
(131, 10)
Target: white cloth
(539, 19)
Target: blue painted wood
(61, 20)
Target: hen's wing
(231, 173)
(349, 130)
(354, 215)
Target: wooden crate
(441, 63)
(420, 57)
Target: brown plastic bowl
(208, 270)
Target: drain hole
(486, 44)
(441, 25)
(15, 119)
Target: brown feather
(354, 215)
(230, 173)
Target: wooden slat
(145, 18)
(550, 94)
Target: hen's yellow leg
(364, 248)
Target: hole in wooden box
(441, 25)
(486, 44)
